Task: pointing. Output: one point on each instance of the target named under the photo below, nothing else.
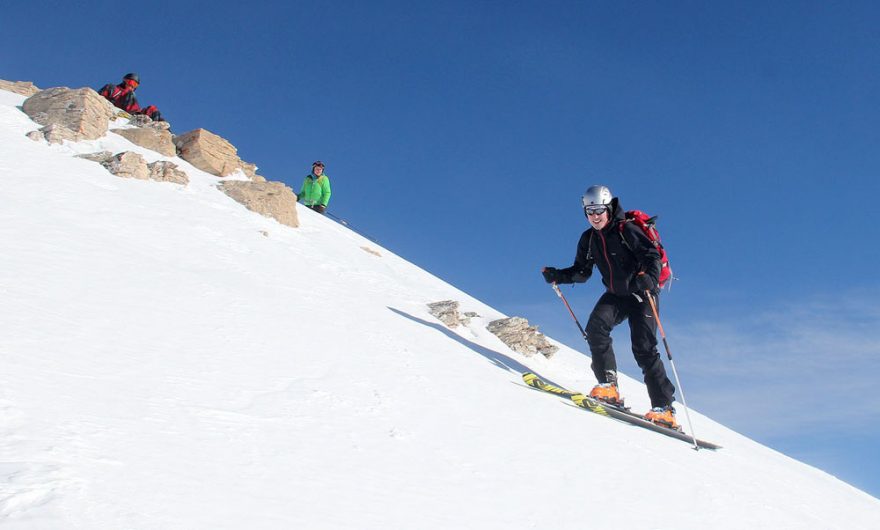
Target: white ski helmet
(597, 196)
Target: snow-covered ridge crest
(173, 360)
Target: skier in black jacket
(630, 266)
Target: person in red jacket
(122, 96)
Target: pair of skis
(618, 413)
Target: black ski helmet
(133, 76)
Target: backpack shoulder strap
(620, 227)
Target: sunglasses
(597, 210)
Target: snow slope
(172, 360)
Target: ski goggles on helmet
(595, 210)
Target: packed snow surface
(173, 360)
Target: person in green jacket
(315, 192)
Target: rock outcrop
(54, 134)
(163, 171)
(272, 199)
(84, 113)
(211, 153)
(447, 312)
(152, 135)
(99, 157)
(134, 166)
(128, 165)
(517, 334)
(25, 88)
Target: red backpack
(647, 225)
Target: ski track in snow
(172, 360)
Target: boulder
(56, 134)
(128, 165)
(210, 153)
(25, 88)
(272, 199)
(140, 120)
(132, 165)
(99, 157)
(520, 337)
(163, 171)
(447, 312)
(82, 111)
(158, 139)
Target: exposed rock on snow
(128, 165)
(163, 171)
(132, 165)
(447, 312)
(99, 157)
(272, 199)
(211, 153)
(56, 133)
(84, 113)
(521, 337)
(142, 120)
(152, 135)
(25, 88)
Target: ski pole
(674, 371)
(559, 294)
(348, 225)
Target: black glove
(644, 282)
(551, 274)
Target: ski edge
(585, 402)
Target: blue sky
(462, 134)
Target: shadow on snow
(498, 359)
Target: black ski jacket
(619, 262)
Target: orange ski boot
(607, 393)
(664, 416)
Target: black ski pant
(610, 311)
